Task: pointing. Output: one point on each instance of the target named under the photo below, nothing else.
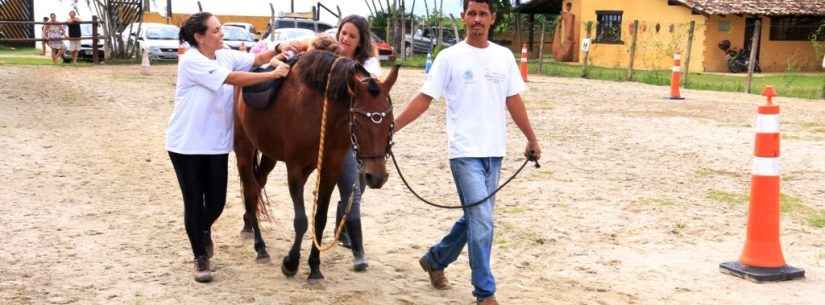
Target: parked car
(161, 40)
(301, 23)
(287, 34)
(246, 26)
(233, 37)
(86, 51)
(385, 50)
(425, 39)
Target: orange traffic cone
(676, 77)
(762, 258)
(523, 65)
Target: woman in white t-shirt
(354, 42)
(200, 133)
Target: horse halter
(375, 118)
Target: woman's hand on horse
(281, 71)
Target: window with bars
(609, 27)
(795, 28)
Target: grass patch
(787, 84)
(709, 172)
(727, 197)
(655, 202)
(813, 127)
(513, 210)
(787, 205)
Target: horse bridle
(375, 118)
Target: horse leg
(264, 168)
(327, 185)
(247, 159)
(297, 177)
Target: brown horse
(359, 116)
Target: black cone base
(757, 274)
(675, 98)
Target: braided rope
(318, 165)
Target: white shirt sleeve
(438, 78)
(240, 61)
(515, 84)
(373, 66)
(204, 72)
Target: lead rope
(318, 165)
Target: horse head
(372, 124)
(345, 81)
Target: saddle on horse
(261, 95)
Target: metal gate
(17, 10)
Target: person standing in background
(74, 35)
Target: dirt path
(638, 201)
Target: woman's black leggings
(202, 180)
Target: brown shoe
(202, 272)
(437, 278)
(491, 300)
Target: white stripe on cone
(767, 123)
(765, 166)
(677, 69)
(677, 57)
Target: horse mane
(314, 68)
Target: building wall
(775, 56)
(260, 22)
(654, 50)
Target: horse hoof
(247, 235)
(263, 258)
(285, 270)
(315, 278)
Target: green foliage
(787, 84)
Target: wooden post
(633, 49)
(517, 39)
(688, 51)
(757, 32)
(95, 59)
(532, 21)
(541, 45)
(400, 44)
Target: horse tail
(262, 204)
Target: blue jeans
(349, 173)
(475, 178)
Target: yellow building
(784, 45)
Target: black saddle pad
(260, 96)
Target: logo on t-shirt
(468, 76)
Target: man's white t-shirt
(203, 120)
(476, 83)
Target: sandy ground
(622, 212)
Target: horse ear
(389, 81)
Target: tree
(115, 16)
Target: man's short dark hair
(489, 4)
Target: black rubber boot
(359, 263)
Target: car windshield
(235, 33)
(291, 34)
(164, 33)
